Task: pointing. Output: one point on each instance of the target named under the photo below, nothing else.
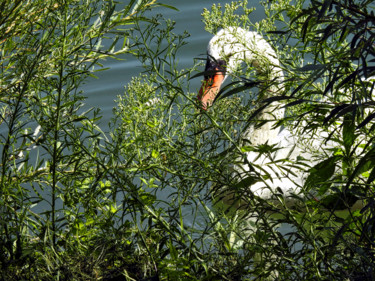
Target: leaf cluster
(159, 197)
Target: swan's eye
(209, 69)
(222, 64)
(213, 67)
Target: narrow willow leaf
(321, 172)
(310, 67)
(246, 182)
(371, 177)
(335, 111)
(293, 103)
(277, 98)
(326, 4)
(366, 121)
(348, 132)
(229, 93)
(168, 6)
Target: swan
(279, 178)
(225, 52)
(278, 171)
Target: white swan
(276, 171)
(226, 51)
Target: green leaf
(248, 85)
(168, 6)
(348, 132)
(155, 154)
(150, 123)
(247, 148)
(366, 121)
(246, 182)
(321, 173)
(371, 177)
(311, 67)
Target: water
(103, 92)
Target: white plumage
(275, 171)
(236, 45)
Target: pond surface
(103, 92)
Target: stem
(56, 148)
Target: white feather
(235, 45)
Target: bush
(143, 203)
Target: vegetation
(142, 203)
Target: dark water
(103, 92)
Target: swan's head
(215, 74)
(226, 51)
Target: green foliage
(50, 149)
(150, 199)
(216, 19)
(329, 91)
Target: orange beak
(210, 87)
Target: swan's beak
(210, 87)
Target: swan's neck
(264, 129)
(235, 46)
(257, 52)
(266, 119)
